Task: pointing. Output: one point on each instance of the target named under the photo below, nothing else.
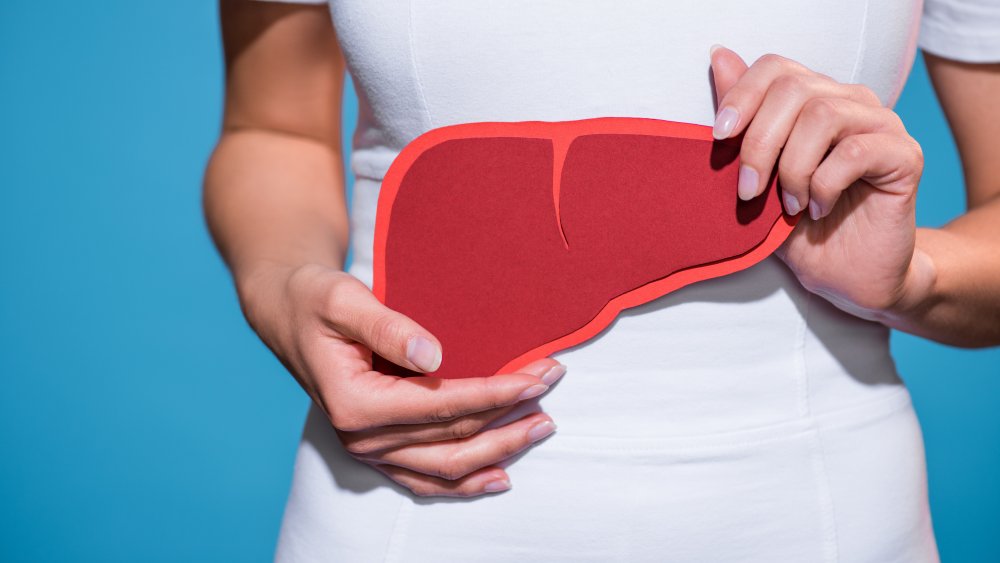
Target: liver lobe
(500, 245)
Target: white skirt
(738, 419)
(846, 486)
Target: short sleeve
(963, 30)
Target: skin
(858, 246)
(274, 202)
(275, 205)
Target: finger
(388, 400)
(727, 68)
(354, 311)
(454, 459)
(366, 442)
(738, 105)
(823, 122)
(768, 130)
(883, 160)
(487, 480)
(741, 102)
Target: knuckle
(420, 489)
(790, 84)
(895, 123)
(384, 330)
(755, 143)
(820, 185)
(338, 300)
(511, 447)
(487, 388)
(917, 155)
(361, 447)
(854, 148)
(347, 422)
(918, 158)
(821, 110)
(466, 427)
(771, 59)
(794, 175)
(866, 94)
(443, 412)
(782, 64)
(453, 467)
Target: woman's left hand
(844, 160)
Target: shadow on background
(140, 419)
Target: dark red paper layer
(510, 241)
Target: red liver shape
(511, 241)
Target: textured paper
(512, 241)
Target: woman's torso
(726, 353)
(716, 367)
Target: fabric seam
(826, 504)
(802, 375)
(415, 67)
(862, 43)
(400, 528)
(817, 452)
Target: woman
(755, 417)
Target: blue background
(140, 419)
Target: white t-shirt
(738, 419)
(963, 30)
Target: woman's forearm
(960, 304)
(274, 186)
(273, 199)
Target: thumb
(727, 68)
(388, 333)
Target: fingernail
(725, 122)
(553, 375)
(814, 210)
(711, 50)
(533, 391)
(541, 430)
(496, 486)
(747, 187)
(792, 206)
(423, 353)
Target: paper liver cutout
(510, 241)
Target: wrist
(259, 288)
(259, 278)
(917, 293)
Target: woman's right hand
(421, 432)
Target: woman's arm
(274, 187)
(275, 205)
(962, 306)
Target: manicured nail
(747, 188)
(792, 206)
(711, 50)
(541, 430)
(814, 210)
(496, 486)
(423, 353)
(725, 122)
(533, 391)
(553, 375)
